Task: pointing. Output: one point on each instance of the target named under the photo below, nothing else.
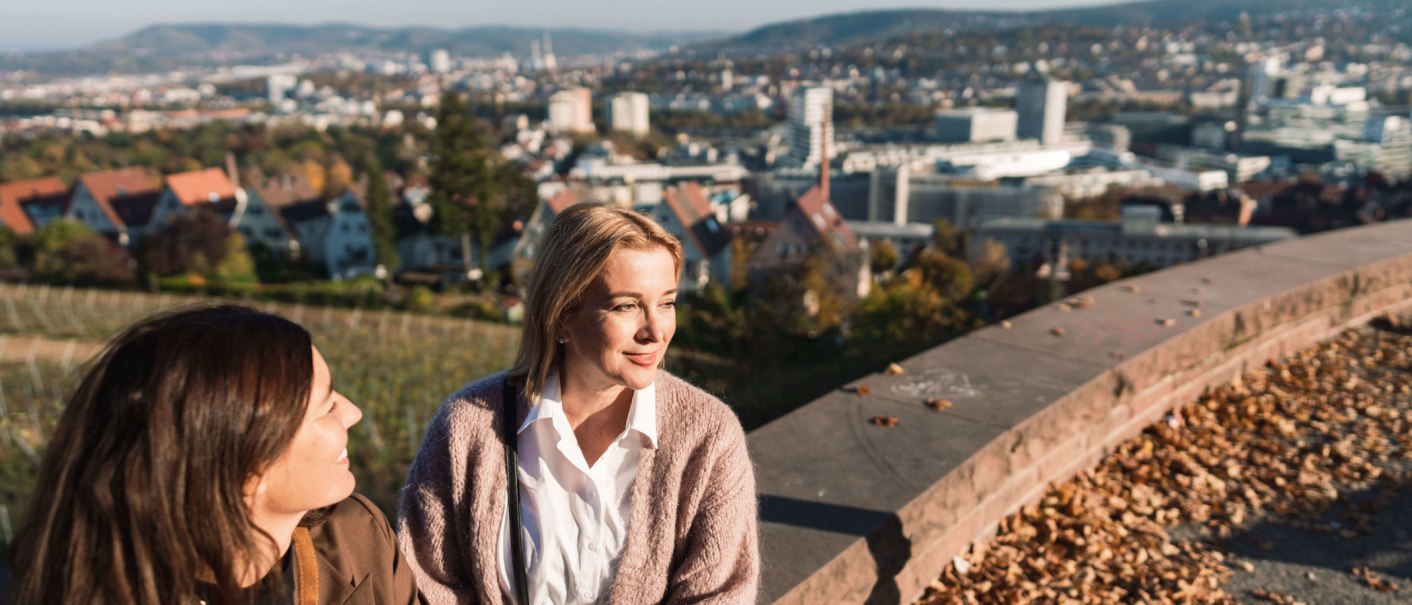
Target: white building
(439, 61)
(810, 124)
(279, 85)
(334, 236)
(571, 111)
(1090, 183)
(1041, 106)
(975, 125)
(629, 113)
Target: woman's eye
(670, 304)
(625, 307)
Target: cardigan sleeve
(721, 562)
(431, 530)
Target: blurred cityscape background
(850, 188)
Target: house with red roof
(685, 212)
(18, 197)
(263, 220)
(208, 189)
(812, 224)
(552, 203)
(116, 203)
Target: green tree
(67, 250)
(238, 265)
(474, 191)
(949, 239)
(379, 209)
(884, 257)
(950, 277)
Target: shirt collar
(642, 415)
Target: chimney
(231, 171)
(824, 150)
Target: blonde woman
(622, 483)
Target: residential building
(685, 212)
(571, 111)
(975, 125)
(810, 224)
(19, 198)
(1041, 106)
(207, 189)
(116, 203)
(811, 125)
(629, 113)
(334, 236)
(263, 222)
(550, 207)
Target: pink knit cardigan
(691, 535)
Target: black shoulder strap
(512, 483)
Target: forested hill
(868, 26)
(166, 46)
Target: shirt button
(592, 547)
(587, 596)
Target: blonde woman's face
(619, 333)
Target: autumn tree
(67, 250)
(191, 243)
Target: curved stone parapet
(853, 512)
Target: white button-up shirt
(574, 516)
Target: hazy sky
(50, 24)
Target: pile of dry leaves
(1281, 444)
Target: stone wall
(853, 512)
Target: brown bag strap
(306, 565)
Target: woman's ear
(255, 489)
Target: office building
(571, 111)
(1041, 105)
(629, 113)
(810, 124)
(975, 125)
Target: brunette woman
(203, 459)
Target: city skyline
(68, 24)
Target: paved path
(1285, 557)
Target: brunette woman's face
(619, 334)
(313, 472)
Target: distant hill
(866, 26)
(168, 46)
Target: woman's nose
(353, 415)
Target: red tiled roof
(688, 202)
(106, 185)
(201, 187)
(12, 194)
(821, 216)
(563, 200)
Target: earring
(563, 340)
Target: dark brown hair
(141, 491)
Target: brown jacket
(359, 562)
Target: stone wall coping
(853, 512)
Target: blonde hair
(574, 253)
